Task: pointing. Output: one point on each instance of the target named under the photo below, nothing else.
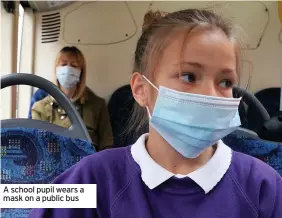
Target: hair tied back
(151, 17)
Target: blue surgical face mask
(190, 123)
(67, 76)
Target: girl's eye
(188, 77)
(226, 84)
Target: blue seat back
(270, 99)
(267, 151)
(120, 108)
(32, 156)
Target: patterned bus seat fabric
(266, 151)
(33, 156)
(36, 156)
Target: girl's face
(204, 64)
(207, 61)
(68, 59)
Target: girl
(70, 78)
(185, 66)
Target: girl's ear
(139, 89)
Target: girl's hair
(81, 86)
(159, 28)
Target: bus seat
(77, 128)
(270, 99)
(252, 113)
(120, 108)
(268, 151)
(34, 151)
(37, 96)
(33, 156)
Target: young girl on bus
(186, 64)
(70, 77)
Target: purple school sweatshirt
(249, 189)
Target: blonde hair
(81, 86)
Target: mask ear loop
(150, 82)
(148, 111)
(149, 114)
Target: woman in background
(70, 78)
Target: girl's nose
(207, 88)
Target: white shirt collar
(206, 177)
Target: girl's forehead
(211, 47)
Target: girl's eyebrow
(201, 66)
(227, 71)
(194, 64)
